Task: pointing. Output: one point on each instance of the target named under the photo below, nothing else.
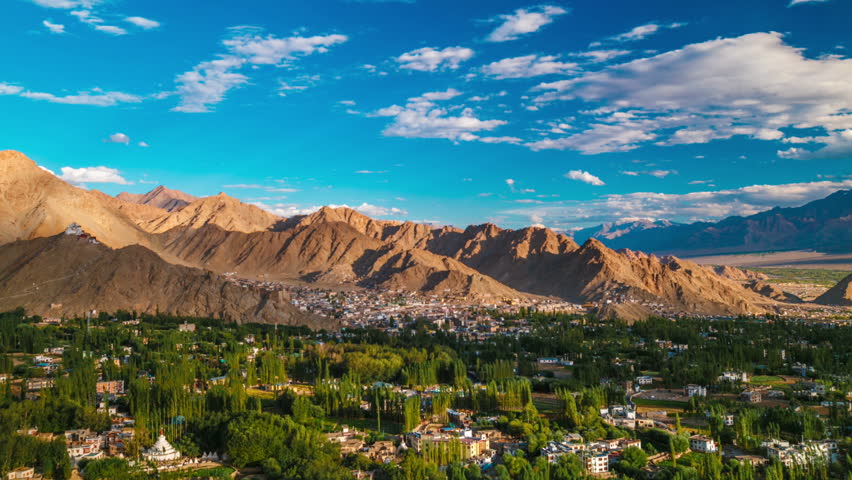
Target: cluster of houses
(801, 454)
(597, 457)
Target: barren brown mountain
(160, 197)
(773, 292)
(220, 210)
(67, 275)
(341, 247)
(840, 294)
(539, 261)
(35, 203)
(329, 253)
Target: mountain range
(824, 225)
(155, 252)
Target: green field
(801, 275)
(766, 380)
(367, 424)
(647, 402)
(546, 405)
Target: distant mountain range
(824, 225)
(613, 230)
(173, 258)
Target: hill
(35, 203)
(824, 225)
(613, 230)
(160, 197)
(220, 210)
(67, 275)
(840, 294)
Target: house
(734, 377)
(695, 391)
(113, 387)
(186, 327)
(802, 454)
(703, 444)
(596, 462)
(36, 384)
(21, 472)
(751, 396)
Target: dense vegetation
(168, 374)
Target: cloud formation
(208, 82)
(529, 66)
(639, 32)
(585, 177)
(85, 175)
(54, 27)
(422, 117)
(524, 21)
(290, 209)
(118, 138)
(751, 85)
(143, 23)
(687, 207)
(430, 59)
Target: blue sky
(565, 114)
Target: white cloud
(96, 98)
(6, 89)
(271, 50)
(653, 173)
(256, 186)
(208, 82)
(429, 59)
(54, 27)
(351, 103)
(143, 144)
(421, 117)
(370, 172)
(512, 140)
(289, 210)
(529, 66)
(81, 176)
(600, 56)
(524, 21)
(375, 210)
(66, 4)
(284, 88)
(643, 31)
(801, 2)
(86, 12)
(751, 85)
(585, 177)
(447, 94)
(688, 207)
(118, 138)
(111, 29)
(142, 22)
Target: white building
(597, 462)
(695, 391)
(162, 451)
(703, 444)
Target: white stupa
(161, 451)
